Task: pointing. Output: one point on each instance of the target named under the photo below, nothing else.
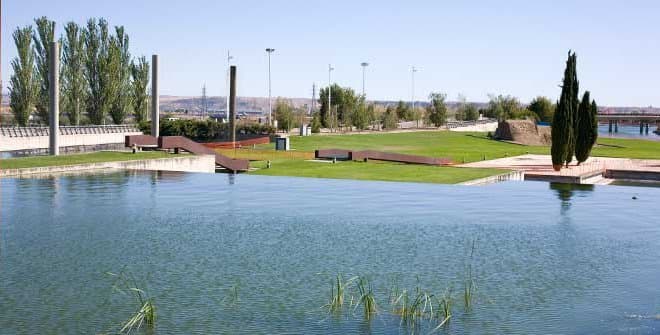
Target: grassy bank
(95, 157)
(373, 171)
(460, 147)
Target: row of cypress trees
(99, 79)
(575, 123)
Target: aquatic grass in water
(337, 293)
(366, 299)
(146, 311)
(469, 285)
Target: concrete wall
(185, 163)
(40, 142)
(482, 127)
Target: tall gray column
(54, 99)
(232, 103)
(155, 99)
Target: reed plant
(366, 297)
(337, 293)
(145, 314)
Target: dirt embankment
(523, 132)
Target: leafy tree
(42, 40)
(121, 80)
(562, 123)
(586, 132)
(284, 114)
(73, 83)
(505, 107)
(316, 123)
(363, 115)
(437, 109)
(575, 102)
(543, 108)
(100, 67)
(140, 75)
(466, 111)
(343, 100)
(389, 118)
(403, 111)
(23, 84)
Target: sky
(473, 48)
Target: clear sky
(460, 47)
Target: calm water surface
(548, 258)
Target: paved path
(541, 165)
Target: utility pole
(54, 79)
(270, 103)
(330, 68)
(313, 99)
(229, 58)
(155, 99)
(364, 67)
(413, 93)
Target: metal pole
(229, 58)
(330, 97)
(155, 99)
(232, 104)
(54, 108)
(270, 103)
(364, 67)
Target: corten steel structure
(232, 102)
(155, 99)
(183, 143)
(366, 155)
(54, 98)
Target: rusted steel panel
(140, 140)
(379, 155)
(180, 142)
(332, 153)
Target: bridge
(644, 120)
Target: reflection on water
(628, 131)
(190, 239)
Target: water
(628, 131)
(548, 258)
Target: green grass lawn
(373, 171)
(461, 146)
(95, 157)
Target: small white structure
(282, 144)
(305, 130)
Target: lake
(253, 254)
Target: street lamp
(270, 104)
(364, 66)
(330, 68)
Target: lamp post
(270, 104)
(364, 67)
(330, 68)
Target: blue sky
(469, 47)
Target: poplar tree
(100, 67)
(121, 79)
(562, 124)
(140, 75)
(73, 79)
(45, 35)
(23, 84)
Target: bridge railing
(67, 130)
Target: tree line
(100, 81)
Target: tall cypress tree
(594, 123)
(574, 104)
(563, 124)
(584, 129)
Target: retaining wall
(187, 163)
(71, 139)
